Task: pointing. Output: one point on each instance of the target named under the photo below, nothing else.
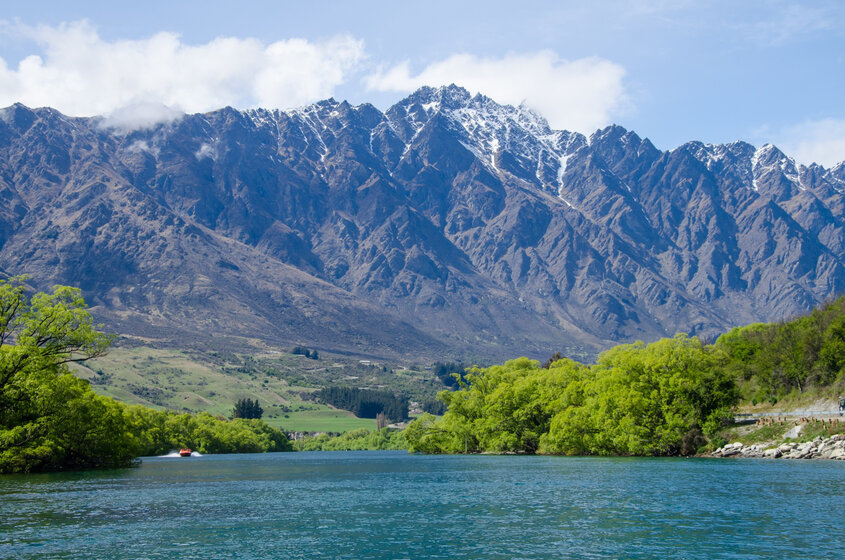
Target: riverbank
(820, 447)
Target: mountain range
(449, 225)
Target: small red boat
(185, 452)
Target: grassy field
(213, 381)
(329, 420)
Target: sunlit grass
(321, 421)
(187, 381)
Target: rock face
(449, 224)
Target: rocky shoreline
(832, 447)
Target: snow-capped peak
(769, 159)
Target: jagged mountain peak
(447, 97)
(838, 170)
(457, 102)
(494, 132)
(620, 140)
(612, 133)
(769, 154)
(770, 165)
(448, 222)
(716, 155)
(18, 116)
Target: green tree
(771, 360)
(552, 359)
(638, 399)
(161, 431)
(247, 408)
(49, 419)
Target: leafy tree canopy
(772, 360)
(51, 420)
(638, 399)
(48, 417)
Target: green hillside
(789, 364)
(282, 382)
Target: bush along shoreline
(673, 397)
(51, 420)
(661, 399)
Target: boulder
(795, 432)
(837, 454)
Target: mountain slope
(447, 225)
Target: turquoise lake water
(392, 505)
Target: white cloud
(821, 141)
(138, 146)
(140, 114)
(81, 74)
(205, 151)
(580, 95)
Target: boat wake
(176, 454)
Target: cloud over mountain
(580, 95)
(82, 74)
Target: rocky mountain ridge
(446, 225)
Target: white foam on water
(176, 454)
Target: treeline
(664, 398)
(364, 403)
(656, 399)
(355, 440)
(71, 427)
(772, 360)
(158, 432)
(433, 406)
(52, 420)
(449, 373)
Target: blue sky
(757, 70)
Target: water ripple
(391, 505)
